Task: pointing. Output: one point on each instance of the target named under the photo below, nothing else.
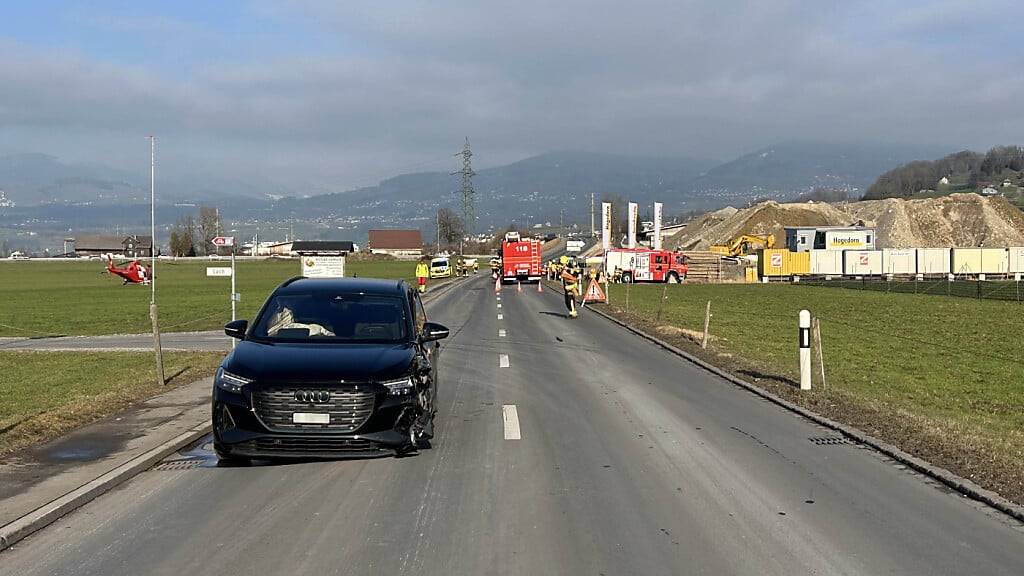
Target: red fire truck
(645, 265)
(520, 259)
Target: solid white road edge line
(510, 417)
(503, 361)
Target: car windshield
(439, 264)
(332, 317)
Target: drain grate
(828, 440)
(184, 464)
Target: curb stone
(962, 485)
(55, 509)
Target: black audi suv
(329, 368)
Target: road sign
(219, 272)
(323, 266)
(594, 292)
(223, 241)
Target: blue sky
(332, 94)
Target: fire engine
(520, 258)
(645, 265)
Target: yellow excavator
(744, 244)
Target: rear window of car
(327, 317)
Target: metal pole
(805, 349)
(234, 296)
(153, 316)
(707, 326)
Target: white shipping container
(933, 261)
(1016, 260)
(981, 261)
(862, 262)
(899, 261)
(826, 262)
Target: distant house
(131, 246)
(1007, 183)
(944, 181)
(98, 244)
(137, 246)
(989, 191)
(396, 242)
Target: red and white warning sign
(776, 261)
(223, 241)
(863, 259)
(594, 292)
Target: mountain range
(547, 188)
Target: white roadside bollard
(805, 350)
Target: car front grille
(349, 408)
(307, 445)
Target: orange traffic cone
(540, 285)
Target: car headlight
(399, 387)
(230, 382)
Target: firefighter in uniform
(422, 271)
(570, 285)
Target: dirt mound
(955, 220)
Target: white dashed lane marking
(503, 361)
(510, 417)
(501, 333)
(500, 317)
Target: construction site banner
(606, 226)
(657, 226)
(631, 226)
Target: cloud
(402, 82)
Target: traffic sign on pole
(223, 241)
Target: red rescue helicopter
(134, 272)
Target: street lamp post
(152, 265)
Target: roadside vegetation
(46, 394)
(940, 377)
(40, 299)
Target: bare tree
(209, 226)
(183, 237)
(450, 226)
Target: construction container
(826, 262)
(973, 261)
(1016, 260)
(779, 262)
(902, 261)
(862, 262)
(933, 261)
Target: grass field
(79, 298)
(941, 376)
(45, 394)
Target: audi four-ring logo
(313, 396)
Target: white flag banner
(606, 226)
(631, 238)
(656, 244)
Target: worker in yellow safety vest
(570, 285)
(422, 271)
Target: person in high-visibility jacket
(570, 285)
(422, 271)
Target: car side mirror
(236, 328)
(434, 331)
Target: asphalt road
(628, 461)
